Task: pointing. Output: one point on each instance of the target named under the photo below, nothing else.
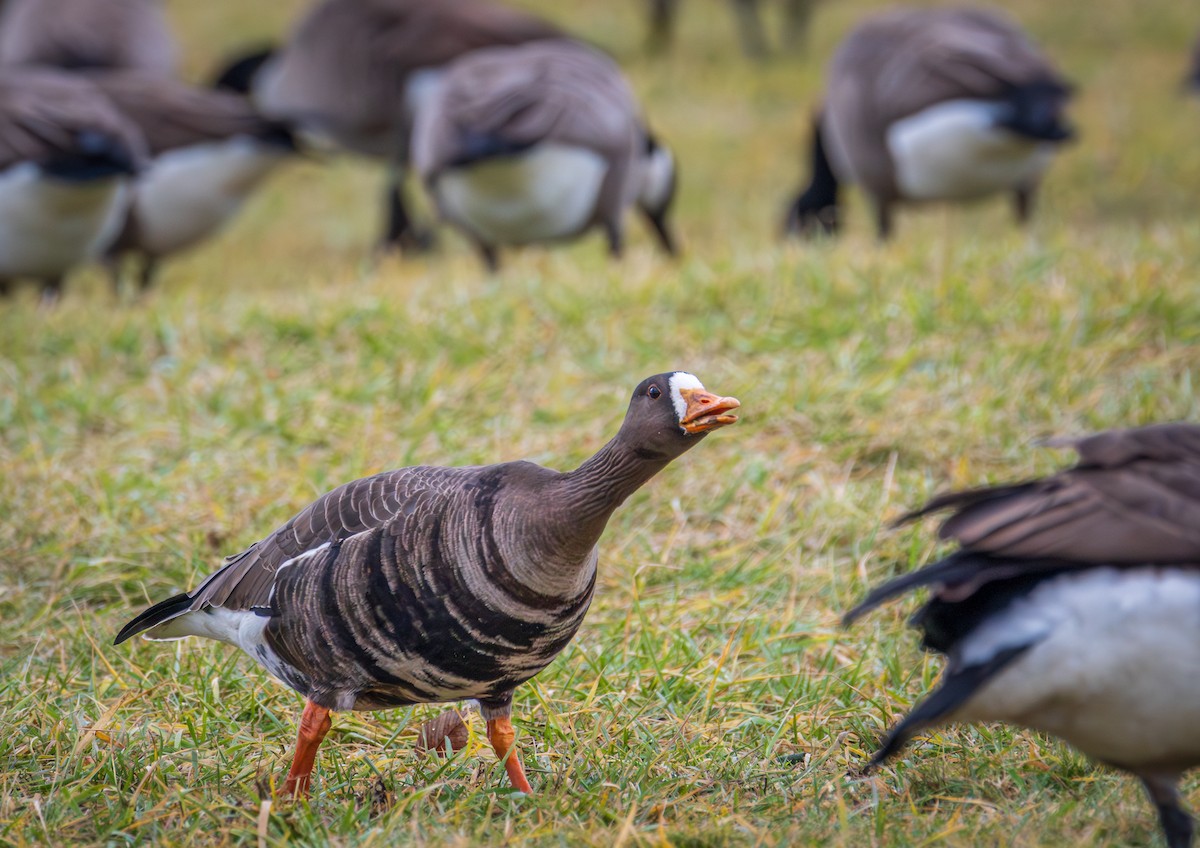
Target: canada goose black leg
(615, 239)
(1177, 825)
(6, 287)
(883, 220)
(750, 29)
(314, 724)
(658, 223)
(1023, 204)
(114, 266)
(490, 257)
(51, 292)
(662, 24)
(815, 210)
(796, 21)
(148, 273)
(400, 233)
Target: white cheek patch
(682, 380)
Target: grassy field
(712, 698)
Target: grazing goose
(933, 104)
(66, 157)
(539, 142)
(354, 71)
(87, 34)
(432, 584)
(211, 149)
(1073, 608)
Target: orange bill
(706, 411)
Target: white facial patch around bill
(682, 380)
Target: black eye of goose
(654, 392)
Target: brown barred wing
(246, 579)
(424, 608)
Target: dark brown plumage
(431, 584)
(1073, 607)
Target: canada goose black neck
(816, 210)
(1036, 111)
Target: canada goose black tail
(959, 567)
(157, 614)
(95, 155)
(1035, 110)
(956, 689)
(238, 74)
(815, 210)
(476, 146)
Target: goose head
(671, 412)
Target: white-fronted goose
(353, 71)
(87, 34)
(1073, 608)
(210, 150)
(66, 158)
(933, 104)
(432, 584)
(538, 142)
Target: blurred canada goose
(933, 104)
(538, 142)
(797, 14)
(210, 150)
(87, 34)
(354, 71)
(1073, 608)
(432, 584)
(66, 156)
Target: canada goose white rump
(187, 193)
(956, 150)
(1110, 667)
(547, 192)
(52, 224)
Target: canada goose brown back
(936, 104)
(534, 142)
(173, 114)
(1073, 607)
(82, 34)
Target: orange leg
(500, 734)
(314, 724)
